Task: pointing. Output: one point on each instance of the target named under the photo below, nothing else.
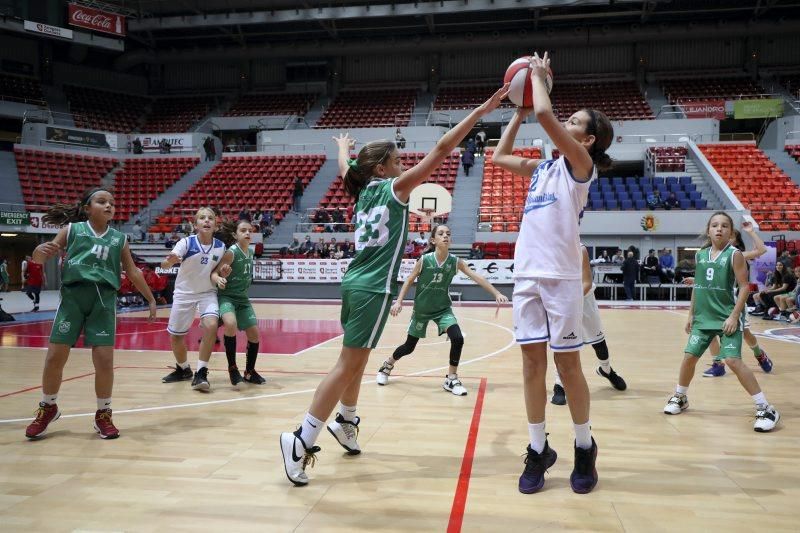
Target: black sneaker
(532, 478)
(616, 380)
(251, 376)
(236, 377)
(179, 374)
(200, 381)
(35, 308)
(584, 475)
(559, 396)
(758, 311)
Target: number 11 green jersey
(381, 221)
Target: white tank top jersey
(197, 263)
(548, 245)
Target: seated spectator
(783, 281)
(350, 252)
(650, 267)
(338, 218)
(667, 263)
(338, 252)
(186, 227)
(307, 247)
(294, 248)
(476, 252)
(421, 240)
(269, 218)
(618, 258)
(671, 202)
(409, 249)
(137, 231)
(267, 231)
(244, 214)
(320, 246)
(399, 140)
(258, 216)
(685, 269)
(786, 303)
(654, 200)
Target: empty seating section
(20, 88)
(464, 97)
(792, 84)
(444, 175)
(252, 105)
(794, 151)
(236, 182)
(50, 177)
(104, 110)
(177, 114)
(630, 193)
(760, 184)
(141, 181)
(503, 193)
(497, 250)
(620, 100)
(710, 88)
(667, 158)
(361, 109)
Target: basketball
(520, 75)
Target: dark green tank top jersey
(241, 275)
(93, 258)
(714, 289)
(433, 285)
(381, 228)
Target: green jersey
(241, 273)
(433, 284)
(3, 273)
(381, 221)
(714, 289)
(93, 258)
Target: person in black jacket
(630, 271)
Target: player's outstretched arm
(410, 280)
(499, 297)
(138, 281)
(50, 249)
(503, 154)
(760, 249)
(219, 276)
(343, 141)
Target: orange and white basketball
(520, 75)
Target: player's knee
(734, 363)
(456, 337)
(252, 334)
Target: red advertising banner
(97, 20)
(704, 109)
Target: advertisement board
(96, 19)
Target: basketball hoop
(426, 214)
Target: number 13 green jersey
(433, 284)
(381, 222)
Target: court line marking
(462, 487)
(511, 343)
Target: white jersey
(548, 245)
(197, 263)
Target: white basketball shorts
(592, 327)
(183, 309)
(549, 310)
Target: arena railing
(791, 136)
(670, 110)
(23, 100)
(306, 148)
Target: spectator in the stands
(635, 251)
(338, 219)
(470, 146)
(480, 141)
(787, 260)
(307, 247)
(476, 252)
(654, 200)
(320, 246)
(137, 230)
(399, 140)
(294, 248)
(269, 218)
(421, 240)
(338, 252)
(207, 144)
(409, 249)
(350, 252)
(137, 146)
(650, 268)
(467, 160)
(186, 227)
(297, 195)
(671, 202)
(267, 231)
(667, 262)
(630, 271)
(603, 258)
(257, 217)
(244, 214)
(618, 258)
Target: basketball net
(426, 215)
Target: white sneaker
(676, 404)
(383, 374)
(296, 457)
(453, 384)
(766, 419)
(346, 433)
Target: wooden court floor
(431, 461)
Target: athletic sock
(347, 412)
(558, 378)
(583, 436)
(201, 364)
(760, 399)
(103, 403)
(184, 365)
(681, 390)
(230, 349)
(605, 366)
(310, 429)
(756, 350)
(252, 355)
(49, 399)
(538, 436)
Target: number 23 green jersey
(381, 222)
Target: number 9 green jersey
(714, 289)
(381, 222)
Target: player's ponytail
(361, 170)
(61, 214)
(602, 129)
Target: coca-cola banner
(704, 109)
(96, 19)
(333, 270)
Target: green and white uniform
(233, 298)
(714, 299)
(432, 299)
(381, 221)
(89, 284)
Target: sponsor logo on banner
(178, 142)
(40, 226)
(704, 109)
(96, 19)
(53, 31)
(92, 139)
